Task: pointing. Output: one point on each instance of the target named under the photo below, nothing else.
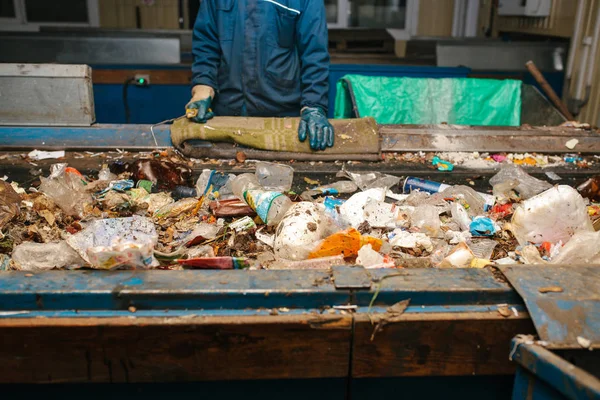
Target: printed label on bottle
(260, 201)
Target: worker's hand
(314, 124)
(198, 109)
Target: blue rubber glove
(315, 126)
(198, 109)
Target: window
(47, 11)
(379, 14)
(399, 15)
(32, 14)
(7, 9)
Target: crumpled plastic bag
(303, 225)
(427, 219)
(483, 248)
(115, 242)
(380, 214)
(66, 189)
(553, 216)
(352, 211)
(583, 248)
(121, 252)
(465, 196)
(456, 237)
(410, 240)
(9, 203)
(483, 226)
(460, 216)
(370, 180)
(512, 177)
(30, 256)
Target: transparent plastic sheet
(460, 216)
(114, 238)
(583, 248)
(483, 248)
(331, 189)
(512, 176)
(469, 198)
(410, 240)
(370, 180)
(29, 256)
(272, 176)
(427, 219)
(66, 189)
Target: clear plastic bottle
(270, 206)
(339, 187)
(273, 176)
(105, 174)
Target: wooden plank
(441, 344)
(157, 76)
(173, 349)
(487, 139)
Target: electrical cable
(166, 121)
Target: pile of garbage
(446, 161)
(146, 214)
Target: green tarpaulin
(462, 101)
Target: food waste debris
(147, 212)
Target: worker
(263, 58)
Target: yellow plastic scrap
(347, 242)
(480, 263)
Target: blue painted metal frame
(85, 138)
(544, 375)
(560, 317)
(177, 293)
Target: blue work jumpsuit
(263, 57)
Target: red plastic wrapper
(230, 208)
(215, 263)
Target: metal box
(46, 94)
(528, 8)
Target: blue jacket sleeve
(205, 47)
(312, 45)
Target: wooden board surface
(437, 345)
(173, 349)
